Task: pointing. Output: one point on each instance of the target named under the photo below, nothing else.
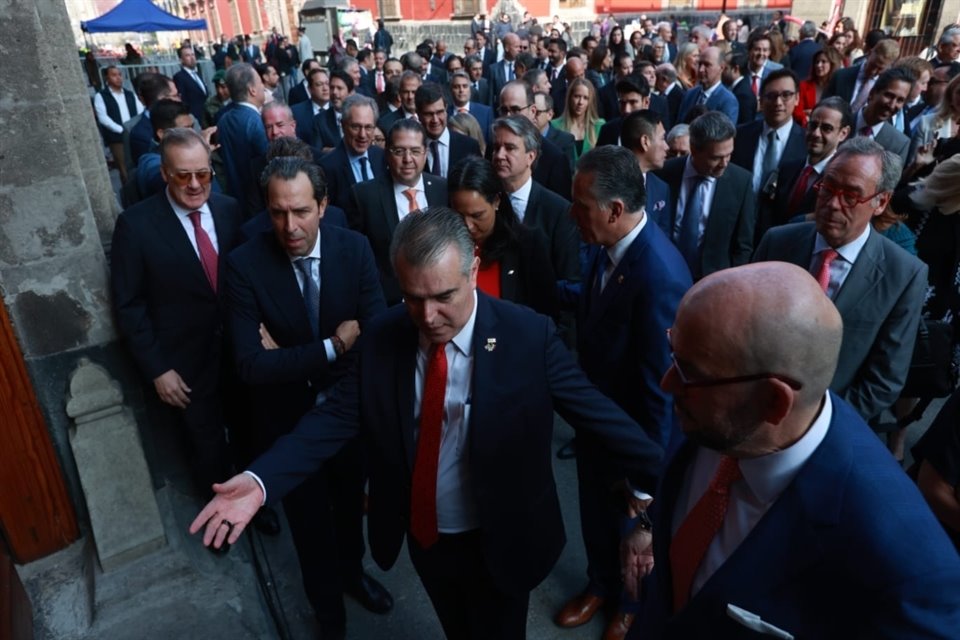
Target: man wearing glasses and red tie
(166, 274)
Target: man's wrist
(338, 344)
(263, 489)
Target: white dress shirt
(709, 186)
(206, 222)
(782, 133)
(841, 266)
(520, 198)
(443, 148)
(100, 108)
(403, 205)
(315, 276)
(764, 479)
(862, 122)
(617, 251)
(456, 508)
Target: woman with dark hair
(839, 42)
(825, 63)
(635, 45)
(514, 259)
(599, 67)
(615, 42)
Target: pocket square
(753, 622)
(659, 204)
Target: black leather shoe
(372, 595)
(267, 521)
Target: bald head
(781, 323)
(575, 68)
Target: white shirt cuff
(259, 482)
(331, 352)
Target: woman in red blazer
(825, 63)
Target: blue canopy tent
(139, 15)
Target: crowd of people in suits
(376, 281)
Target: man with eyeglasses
(782, 515)
(552, 168)
(829, 124)
(445, 148)
(403, 190)
(762, 146)
(298, 298)
(167, 260)
(877, 286)
(709, 90)
(355, 159)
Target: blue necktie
(602, 261)
(688, 237)
(363, 168)
(311, 293)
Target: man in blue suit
(192, 88)
(291, 353)
(643, 134)
(460, 92)
(480, 504)
(241, 133)
(710, 90)
(306, 112)
(628, 300)
(355, 159)
(783, 511)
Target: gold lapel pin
(491, 344)
(620, 279)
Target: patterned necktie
(688, 239)
(823, 273)
(800, 190)
(702, 98)
(423, 501)
(411, 199)
(862, 96)
(208, 255)
(311, 293)
(698, 530)
(769, 157)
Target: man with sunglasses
(829, 124)
(167, 262)
(782, 515)
(877, 287)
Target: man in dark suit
(380, 205)
(552, 169)
(801, 54)
(706, 185)
(854, 83)
(460, 93)
(877, 287)
(301, 91)
(749, 381)
(504, 71)
(487, 53)
(516, 147)
(355, 159)
(445, 148)
(327, 127)
(480, 507)
(316, 106)
(644, 135)
(735, 73)
(291, 352)
(410, 81)
(886, 98)
(557, 73)
(829, 124)
(669, 87)
(763, 146)
(543, 106)
(607, 101)
(710, 90)
(250, 52)
(137, 131)
(240, 132)
(628, 301)
(633, 94)
(759, 65)
(479, 86)
(167, 254)
(190, 85)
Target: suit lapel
(865, 274)
(388, 205)
(172, 232)
(531, 215)
(405, 371)
(285, 291)
(509, 275)
(332, 286)
(615, 285)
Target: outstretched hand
(227, 515)
(636, 559)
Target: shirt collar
(185, 213)
(782, 131)
(708, 92)
(314, 253)
(689, 171)
(820, 166)
(523, 193)
(250, 106)
(444, 138)
(399, 188)
(617, 251)
(862, 122)
(849, 251)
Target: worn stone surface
(61, 591)
(113, 472)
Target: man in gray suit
(877, 286)
(886, 98)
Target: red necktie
(866, 131)
(208, 255)
(697, 531)
(380, 85)
(800, 190)
(423, 501)
(755, 85)
(411, 200)
(823, 274)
